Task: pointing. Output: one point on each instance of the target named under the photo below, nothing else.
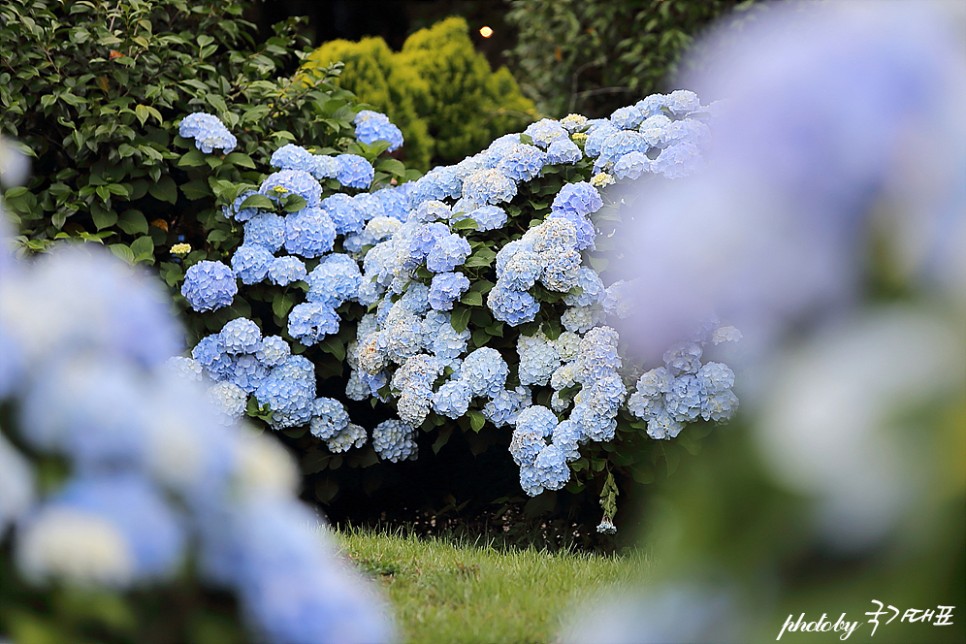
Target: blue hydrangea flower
(309, 233)
(538, 359)
(445, 342)
(631, 166)
(537, 420)
(596, 135)
(402, 337)
(395, 201)
(594, 425)
(208, 131)
(430, 211)
(597, 354)
(273, 351)
(662, 427)
(240, 335)
(186, 368)
(374, 126)
(352, 436)
(522, 163)
(682, 102)
(627, 118)
(486, 217)
(551, 467)
(504, 405)
(267, 230)
(484, 371)
(210, 353)
(424, 238)
(441, 182)
(453, 399)
(591, 288)
(345, 213)
(310, 322)
(579, 198)
(586, 233)
(329, 417)
(394, 441)
(250, 263)
(245, 371)
(294, 157)
(563, 151)
(678, 160)
(230, 399)
(285, 270)
(560, 270)
(354, 171)
(447, 253)
(580, 319)
(568, 437)
(510, 306)
(279, 185)
(520, 267)
(683, 358)
(489, 187)
(335, 280)
(236, 212)
(148, 533)
(289, 391)
(545, 132)
(684, 401)
(209, 286)
(555, 235)
(445, 289)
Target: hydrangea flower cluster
(682, 391)
(208, 131)
(153, 473)
(487, 251)
(374, 126)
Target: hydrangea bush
(475, 299)
(125, 488)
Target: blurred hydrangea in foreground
(830, 226)
(116, 472)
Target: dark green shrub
(441, 92)
(593, 56)
(94, 90)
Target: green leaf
(258, 201)
(192, 159)
(477, 419)
(460, 318)
(164, 189)
(294, 203)
(482, 258)
(240, 159)
(143, 249)
(442, 438)
(472, 298)
(197, 189)
(334, 347)
(282, 303)
(103, 217)
(133, 222)
(465, 224)
(123, 252)
(144, 112)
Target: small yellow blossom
(573, 121)
(578, 137)
(181, 249)
(601, 179)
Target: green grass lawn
(458, 591)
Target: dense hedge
(92, 91)
(593, 56)
(441, 92)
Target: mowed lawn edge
(457, 591)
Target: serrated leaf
(467, 223)
(294, 203)
(334, 347)
(192, 159)
(103, 217)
